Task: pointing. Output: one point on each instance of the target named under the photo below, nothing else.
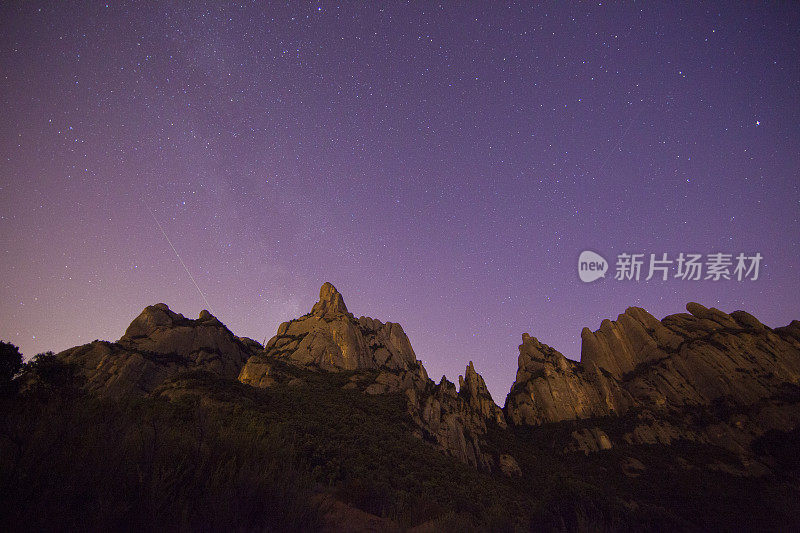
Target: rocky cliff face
(551, 388)
(703, 375)
(158, 345)
(472, 389)
(651, 400)
(331, 339)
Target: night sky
(442, 165)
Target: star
(433, 174)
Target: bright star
(758, 122)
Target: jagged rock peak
(637, 337)
(551, 388)
(472, 388)
(468, 377)
(331, 339)
(160, 315)
(618, 346)
(471, 383)
(207, 317)
(330, 302)
(682, 363)
(535, 356)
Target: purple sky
(443, 166)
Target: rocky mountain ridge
(331, 339)
(676, 375)
(703, 376)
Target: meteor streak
(164, 233)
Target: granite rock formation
(472, 389)
(331, 339)
(705, 376)
(551, 388)
(702, 376)
(158, 345)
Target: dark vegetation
(215, 454)
(10, 365)
(69, 461)
(782, 447)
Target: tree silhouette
(10, 362)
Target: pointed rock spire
(472, 388)
(330, 302)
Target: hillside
(687, 423)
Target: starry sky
(443, 165)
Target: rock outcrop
(551, 388)
(158, 345)
(472, 389)
(704, 375)
(448, 421)
(589, 440)
(330, 304)
(618, 347)
(331, 339)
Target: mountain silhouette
(689, 422)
